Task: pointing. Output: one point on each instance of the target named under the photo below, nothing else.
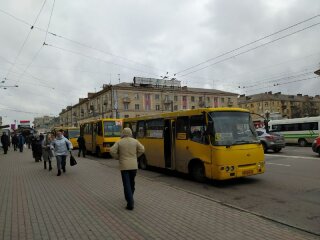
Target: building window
(200, 99)
(193, 107)
(136, 95)
(184, 107)
(176, 107)
(136, 107)
(126, 106)
(222, 100)
(192, 98)
(166, 98)
(208, 99)
(157, 96)
(266, 104)
(126, 116)
(166, 107)
(175, 98)
(157, 107)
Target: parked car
(271, 140)
(316, 145)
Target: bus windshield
(73, 133)
(231, 128)
(112, 129)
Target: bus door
(94, 137)
(168, 137)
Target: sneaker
(59, 173)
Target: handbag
(72, 160)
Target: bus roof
(188, 112)
(101, 119)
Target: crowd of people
(45, 147)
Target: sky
(74, 47)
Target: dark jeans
(5, 149)
(15, 146)
(61, 161)
(128, 185)
(83, 150)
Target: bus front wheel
(142, 162)
(98, 152)
(197, 172)
(302, 142)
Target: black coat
(5, 140)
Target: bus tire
(276, 150)
(197, 171)
(302, 142)
(142, 162)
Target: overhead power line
(80, 43)
(248, 44)
(26, 39)
(99, 59)
(251, 49)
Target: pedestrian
(5, 141)
(15, 141)
(61, 147)
(47, 153)
(127, 150)
(82, 145)
(21, 142)
(37, 147)
(29, 140)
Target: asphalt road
(288, 192)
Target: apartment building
(141, 97)
(285, 106)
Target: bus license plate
(247, 172)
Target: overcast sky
(99, 42)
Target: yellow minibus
(101, 134)
(207, 143)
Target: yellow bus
(101, 134)
(207, 143)
(72, 133)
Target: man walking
(5, 141)
(21, 142)
(127, 150)
(61, 147)
(82, 145)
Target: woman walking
(46, 151)
(61, 147)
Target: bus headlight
(227, 168)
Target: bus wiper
(241, 142)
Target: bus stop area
(87, 202)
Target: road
(289, 191)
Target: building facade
(280, 105)
(143, 96)
(43, 123)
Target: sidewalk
(87, 202)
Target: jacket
(127, 150)
(59, 145)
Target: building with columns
(143, 96)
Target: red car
(316, 145)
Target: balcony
(126, 100)
(167, 101)
(230, 103)
(202, 104)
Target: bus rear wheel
(302, 142)
(197, 172)
(142, 162)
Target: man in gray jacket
(61, 147)
(127, 150)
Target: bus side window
(140, 129)
(182, 126)
(99, 128)
(197, 129)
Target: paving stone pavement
(87, 202)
